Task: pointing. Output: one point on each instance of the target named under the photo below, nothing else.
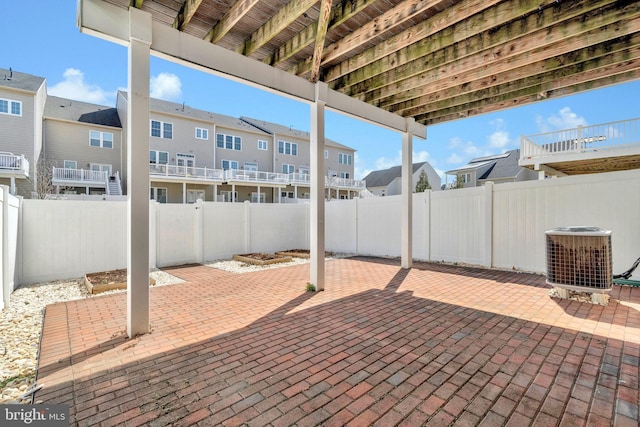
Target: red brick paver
(434, 345)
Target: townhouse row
(56, 145)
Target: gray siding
(70, 141)
(249, 152)
(17, 135)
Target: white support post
(215, 192)
(407, 197)
(184, 193)
(316, 237)
(138, 174)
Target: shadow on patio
(379, 345)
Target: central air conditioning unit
(579, 259)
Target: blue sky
(43, 40)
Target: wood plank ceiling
(434, 60)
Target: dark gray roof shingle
(22, 81)
(77, 111)
(382, 178)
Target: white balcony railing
(174, 171)
(583, 139)
(62, 176)
(14, 164)
(300, 178)
(260, 177)
(337, 182)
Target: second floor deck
(12, 165)
(174, 173)
(584, 149)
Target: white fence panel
(276, 227)
(178, 236)
(458, 225)
(224, 230)
(524, 211)
(379, 224)
(67, 239)
(341, 232)
(421, 221)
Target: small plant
(310, 287)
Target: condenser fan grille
(579, 258)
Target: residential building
(193, 154)
(22, 101)
(496, 168)
(83, 147)
(387, 182)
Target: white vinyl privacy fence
(494, 226)
(9, 210)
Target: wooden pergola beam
(304, 38)
(231, 18)
(280, 21)
(476, 15)
(569, 84)
(323, 23)
(389, 20)
(189, 8)
(536, 61)
(500, 47)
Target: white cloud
(464, 147)
(73, 86)
(499, 139)
(166, 86)
(454, 159)
(565, 119)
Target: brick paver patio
(436, 345)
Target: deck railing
(606, 136)
(186, 172)
(256, 176)
(300, 178)
(12, 162)
(79, 176)
(337, 182)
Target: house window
(254, 197)
(8, 106)
(202, 133)
(344, 175)
(70, 164)
(159, 194)
(288, 168)
(345, 159)
(194, 195)
(326, 154)
(228, 142)
(288, 148)
(161, 129)
(158, 157)
(250, 166)
(100, 139)
(185, 159)
(465, 177)
(303, 170)
(100, 167)
(263, 145)
(229, 164)
(228, 196)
